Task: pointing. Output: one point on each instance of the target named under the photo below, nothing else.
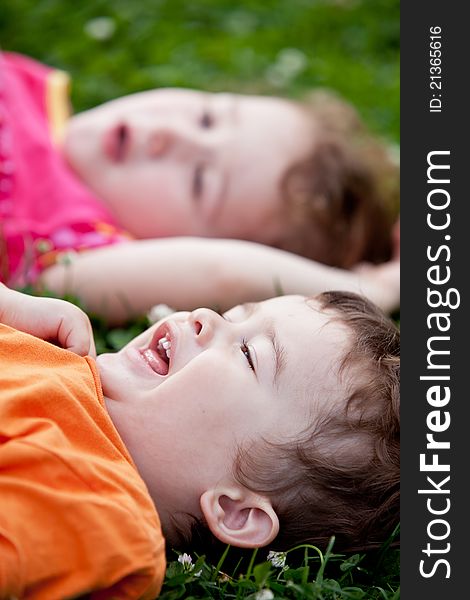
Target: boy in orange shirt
(263, 426)
(75, 517)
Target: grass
(114, 47)
(303, 572)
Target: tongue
(155, 361)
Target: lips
(117, 142)
(158, 356)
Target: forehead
(272, 127)
(314, 344)
(270, 135)
(175, 98)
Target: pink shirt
(45, 211)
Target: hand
(384, 278)
(50, 319)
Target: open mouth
(117, 142)
(122, 142)
(158, 354)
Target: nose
(205, 323)
(159, 143)
(178, 140)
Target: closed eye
(246, 351)
(198, 181)
(206, 120)
(244, 347)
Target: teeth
(166, 345)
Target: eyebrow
(280, 357)
(279, 352)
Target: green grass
(284, 47)
(304, 572)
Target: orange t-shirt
(75, 516)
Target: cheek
(86, 129)
(201, 392)
(220, 404)
(188, 422)
(152, 188)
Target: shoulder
(93, 518)
(23, 67)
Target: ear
(239, 517)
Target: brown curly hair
(341, 201)
(341, 476)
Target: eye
(198, 181)
(206, 120)
(246, 351)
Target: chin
(71, 152)
(78, 151)
(104, 368)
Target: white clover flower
(264, 595)
(289, 63)
(241, 22)
(277, 559)
(186, 561)
(159, 312)
(100, 28)
(292, 60)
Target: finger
(92, 348)
(80, 344)
(91, 351)
(75, 334)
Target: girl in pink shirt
(44, 207)
(179, 197)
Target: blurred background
(280, 47)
